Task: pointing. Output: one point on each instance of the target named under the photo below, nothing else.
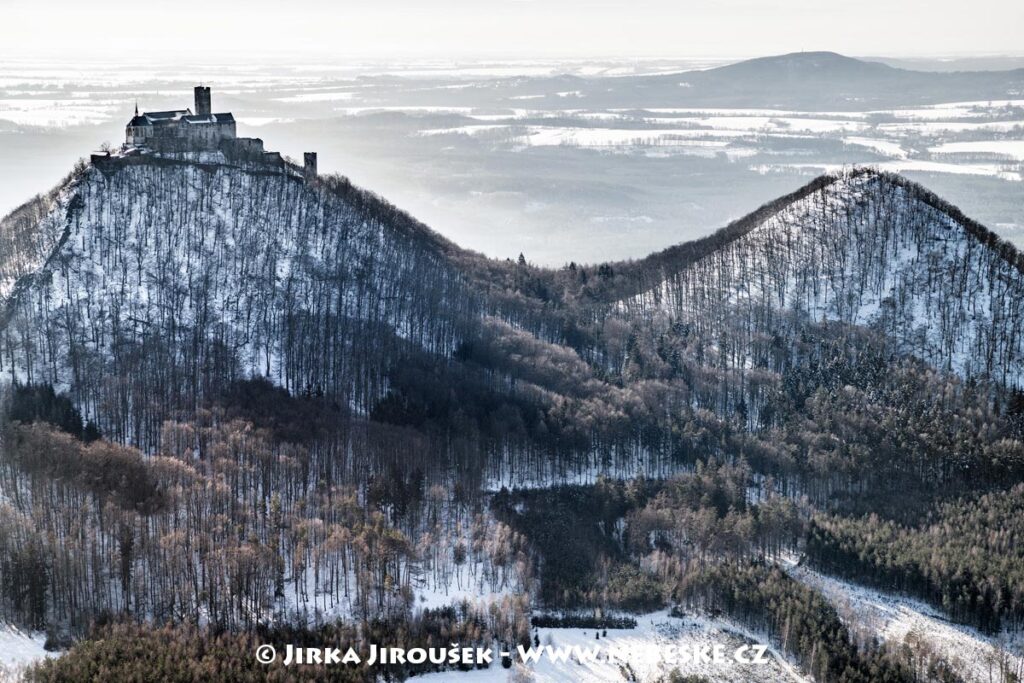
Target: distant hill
(800, 67)
(800, 80)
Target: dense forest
(239, 403)
(966, 556)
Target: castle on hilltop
(182, 133)
(182, 128)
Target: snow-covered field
(1013, 149)
(897, 619)
(647, 648)
(895, 135)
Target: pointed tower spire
(136, 107)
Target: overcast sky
(507, 28)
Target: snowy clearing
(18, 650)
(1007, 148)
(646, 644)
(893, 618)
(886, 147)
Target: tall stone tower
(309, 166)
(203, 100)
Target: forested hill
(863, 249)
(146, 288)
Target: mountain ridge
(662, 261)
(205, 274)
(684, 253)
(869, 250)
(833, 63)
(809, 81)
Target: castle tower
(203, 100)
(309, 166)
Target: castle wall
(208, 134)
(137, 135)
(182, 137)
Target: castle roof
(170, 114)
(225, 117)
(156, 118)
(160, 118)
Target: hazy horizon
(730, 29)
(459, 112)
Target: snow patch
(645, 643)
(894, 618)
(19, 650)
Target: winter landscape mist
(562, 160)
(574, 356)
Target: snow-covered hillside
(29, 235)
(192, 275)
(199, 273)
(19, 649)
(864, 249)
(897, 619)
